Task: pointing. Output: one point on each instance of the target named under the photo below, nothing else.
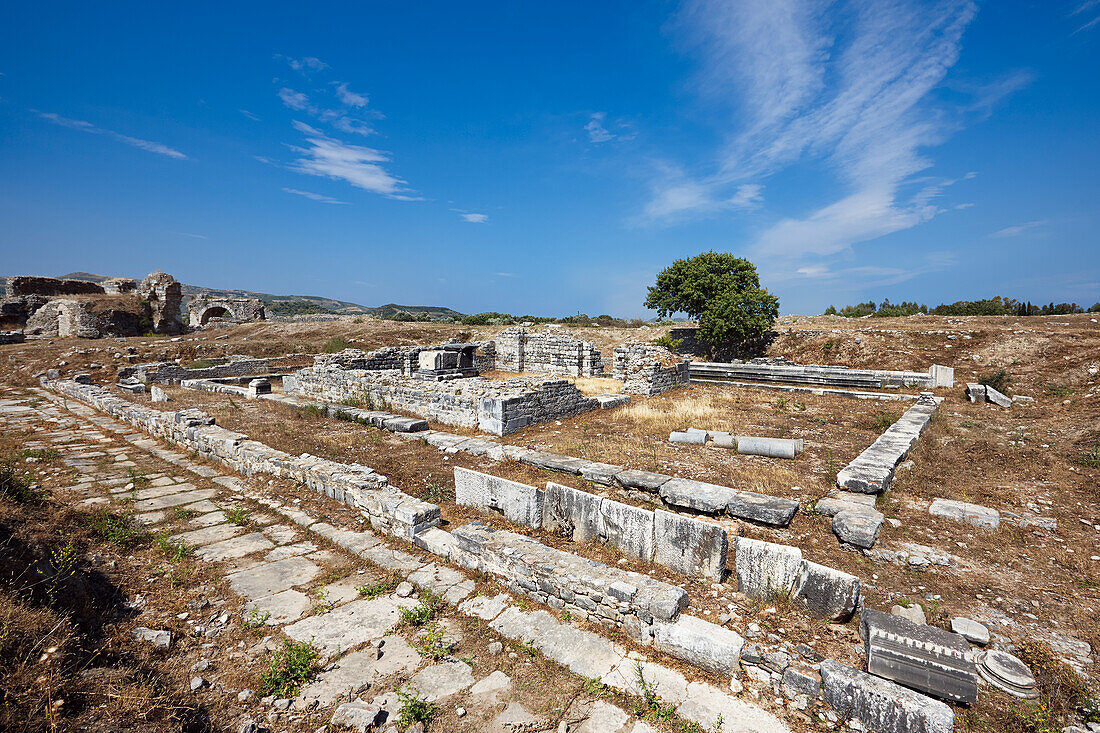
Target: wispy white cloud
(305, 65)
(360, 166)
(597, 133)
(192, 236)
(852, 86)
(293, 99)
(148, 145)
(475, 218)
(747, 196)
(249, 115)
(1018, 229)
(350, 98)
(314, 196)
(505, 274)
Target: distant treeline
(988, 307)
(581, 319)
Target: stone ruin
(548, 352)
(207, 310)
(648, 369)
(46, 307)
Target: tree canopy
(721, 292)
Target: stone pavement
(278, 564)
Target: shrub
(668, 342)
(424, 611)
(291, 666)
(16, 485)
(336, 344)
(998, 380)
(414, 708)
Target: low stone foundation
(648, 369)
(169, 371)
(781, 370)
(872, 471)
(494, 407)
(589, 589)
(765, 570)
(388, 509)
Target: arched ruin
(203, 308)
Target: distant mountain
(286, 305)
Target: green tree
(722, 293)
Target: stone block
(700, 643)
(801, 680)
(518, 502)
(880, 705)
(690, 546)
(642, 480)
(765, 569)
(997, 398)
(975, 392)
(723, 440)
(859, 528)
(770, 510)
(697, 495)
(600, 473)
(970, 630)
(608, 401)
(627, 528)
(571, 513)
(922, 657)
(961, 511)
(825, 592)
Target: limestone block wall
(62, 317)
(685, 544)
(872, 471)
(546, 352)
(168, 371)
(497, 407)
(648, 369)
(766, 570)
(29, 285)
(588, 589)
(387, 508)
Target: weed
(118, 529)
(594, 687)
(174, 550)
(239, 516)
(439, 494)
(255, 619)
(882, 422)
(800, 406)
(566, 616)
(828, 345)
(531, 649)
(379, 587)
(16, 485)
(42, 454)
(183, 512)
(522, 604)
(655, 708)
(291, 666)
(63, 562)
(137, 477)
(998, 380)
(414, 709)
(1090, 458)
(232, 403)
(336, 344)
(781, 404)
(312, 411)
(424, 611)
(433, 642)
(1058, 390)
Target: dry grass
(597, 385)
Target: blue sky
(552, 158)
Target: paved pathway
(277, 563)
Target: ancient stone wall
(163, 297)
(648, 369)
(498, 407)
(203, 308)
(50, 286)
(63, 318)
(588, 589)
(168, 371)
(388, 509)
(546, 352)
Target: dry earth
(1032, 585)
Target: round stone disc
(1006, 672)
